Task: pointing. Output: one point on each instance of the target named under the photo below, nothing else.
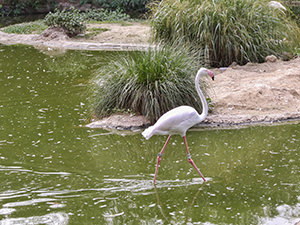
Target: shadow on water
(53, 170)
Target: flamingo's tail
(148, 132)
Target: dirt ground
(126, 36)
(126, 33)
(250, 94)
(266, 92)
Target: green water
(53, 170)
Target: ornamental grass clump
(147, 83)
(226, 31)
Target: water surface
(53, 170)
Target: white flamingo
(179, 120)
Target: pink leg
(159, 157)
(190, 159)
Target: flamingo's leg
(159, 157)
(190, 159)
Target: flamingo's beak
(211, 74)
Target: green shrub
(126, 5)
(224, 31)
(72, 21)
(18, 7)
(106, 15)
(294, 6)
(147, 83)
(35, 27)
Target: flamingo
(178, 121)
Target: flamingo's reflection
(189, 207)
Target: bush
(71, 21)
(106, 15)
(147, 83)
(18, 7)
(224, 31)
(126, 5)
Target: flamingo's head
(204, 71)
(211, 74)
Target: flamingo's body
(179, 120)
(175, 121)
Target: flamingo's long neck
(204, 113)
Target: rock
(271, 58)
(233, 65)
(286, 56)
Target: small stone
(271, 58)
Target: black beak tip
(213, 78)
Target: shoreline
(120, 122)
(34, 40)
(253, 94)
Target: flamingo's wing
(176, 121)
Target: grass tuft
(36, 27)
(147, 83)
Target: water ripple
(21, 169)
(58, 218)
(29, 202)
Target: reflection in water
(188, 208)
(52, 168)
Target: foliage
(295, 8)
(297, 52)
(148, 83)
(127, 5)
(1, 11)
(224, 31)
(35, 27)
(72, 21)
(106, 15)
(17, 7)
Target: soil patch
(125, 33)
(53, 34)
(125, 36)
(266, 92)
